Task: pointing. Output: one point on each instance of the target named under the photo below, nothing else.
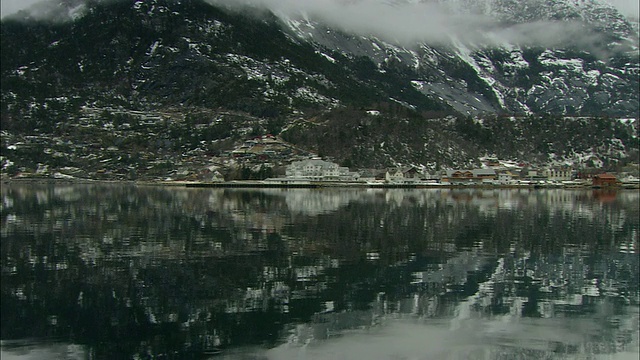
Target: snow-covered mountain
(290, 62)
(532, 56)
(575, 57)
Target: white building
(319, 170)
(403, 175)
(507, 177)
(558, 174)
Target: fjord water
(117, 271)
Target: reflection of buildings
(214, 263)
(313, 202)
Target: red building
(604, 180)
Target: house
(403, 175)
(412, 173)
(461, 175)
(372, 174)
(491, 161)
(604, 180)
(507, 177)
(345, 174)
(211, 174)
(394, 176)
(484, 174)
(457, 176)
(532, 176)
(240, 153)
(270, 139)
(469, 176)
(431, 176)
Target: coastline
(310, 184)
(345, 185)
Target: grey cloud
(8, 7)
(629, 8)
(389, 19)
(404, 22)
(549, 33)
(409, 22)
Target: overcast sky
(627, 7)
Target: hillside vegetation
(157, 89)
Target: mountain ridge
(216, 76)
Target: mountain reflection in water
(132, 272)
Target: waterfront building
(316, 169)
(563, 173)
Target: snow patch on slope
(465, 54)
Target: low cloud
(630, 8)
(8, 7)
(408, 22)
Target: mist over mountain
(169, 78)
(491, 23)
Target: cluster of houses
(316, 169)
(261, 148)
(493, 172)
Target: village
(318, 171)
(305, 169)
(269, 161)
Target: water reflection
(123, 271)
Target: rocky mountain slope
(145, 88)
(565, 57)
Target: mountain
(556, 56)
(145, 88)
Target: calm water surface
(132, 272)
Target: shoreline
(257, 184)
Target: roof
(314, 162)
(474, 172)
(484, 171)
(450, 172)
